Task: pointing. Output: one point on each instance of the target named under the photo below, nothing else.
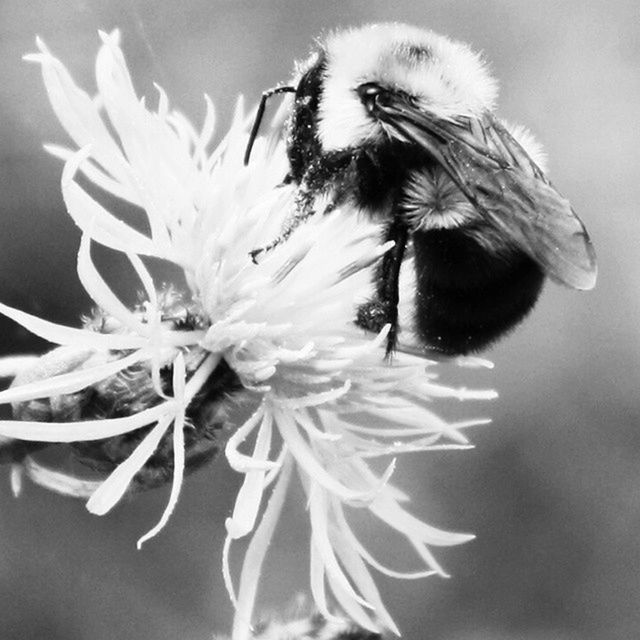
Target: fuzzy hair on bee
(130, 391)
(399, 123)
(400, 57)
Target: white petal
(114, 487)
(101, 294)
(78, 114)
(60, 334)
(352, 542)
(306, 459)
(317, 580)
(200, 376)
(208, 128)
(249, 497)
(179, 376)
(17, 472)
(66, 484)
(318, 508)
(397, 518)
(315, 399)
(307, 423)
(238, 461)
(94, 173)
(361, 577)
(68, 382)
(83, 429)
(92, 217)
(254, 557)
(11, 366)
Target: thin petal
(397, 518)
(68, 382)
(238, 461)
(353, 610)
(66, 484)
(17, 473)
(91, 216)
(94, 173)
(226, 571)
(355, 544)
(179, 376)
(79, 115)
(145, 277)
(412, 447)
(307, 461)
(254, 557)
(307, 423)
(315, 399)
(200, 376)
(114, 487)
(361, 577)
(208, 128)
(101, 294)
(318, 508)
(317, 580)
(83, 429)
(11, 366)
(59, 334)
(248, 499)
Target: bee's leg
(375, 314)
(291, 224)
(304, 210)
(259, 114)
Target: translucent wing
(507, 188)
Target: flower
(317, 385)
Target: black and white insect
(126, 393)
(399, 123)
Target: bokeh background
(552, 489)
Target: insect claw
(254, 255)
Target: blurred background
(552, 489)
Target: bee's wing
(502, 182)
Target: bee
(399, 123)
(126, 393)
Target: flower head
(323, 399)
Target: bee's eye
(373, 95)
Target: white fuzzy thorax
(446, 77)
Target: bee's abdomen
(468, 296)
(205, 415)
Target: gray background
(552, 489)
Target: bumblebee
(128, 392)
(398, 123)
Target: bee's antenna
(261, 107)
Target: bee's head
(444, 78)
(391, 84)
